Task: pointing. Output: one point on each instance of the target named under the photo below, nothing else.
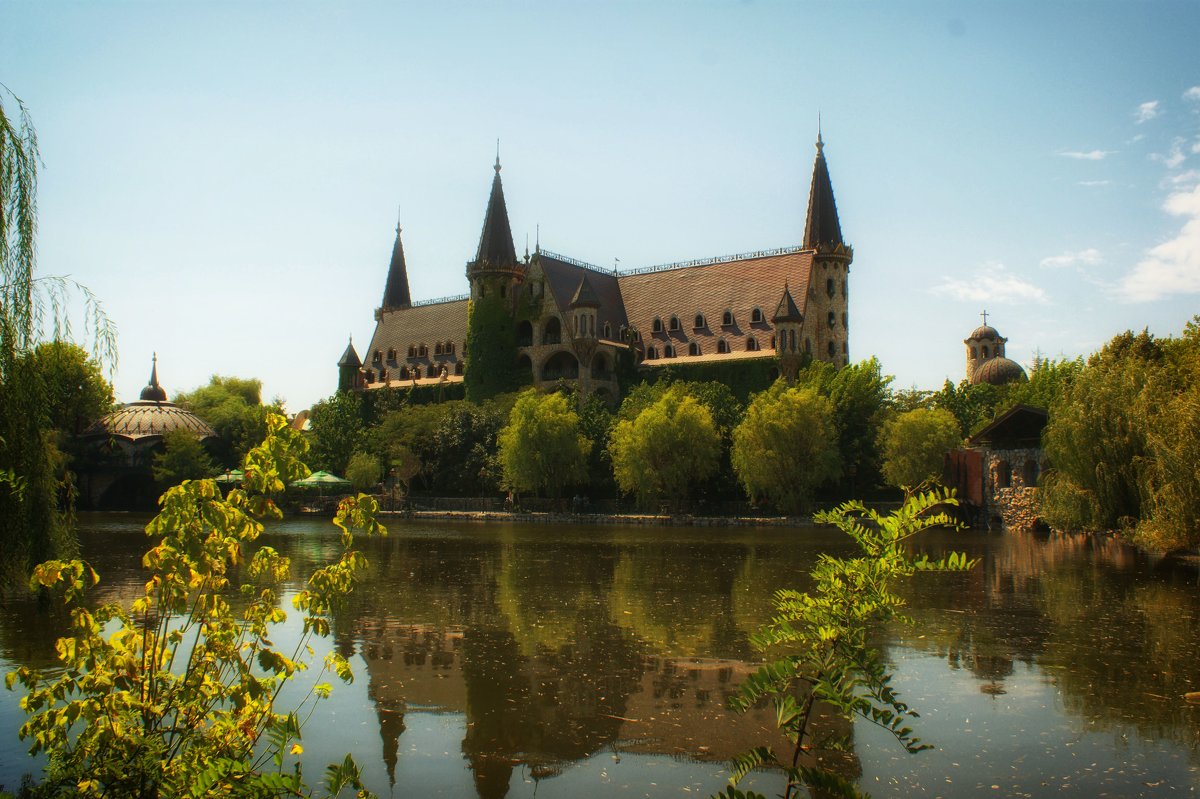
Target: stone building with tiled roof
(574, 321)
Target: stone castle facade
(569, 320)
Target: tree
(183, 458)
(32, 525)
(914, 445)
(860, 398)
(825, 636)
(491, 349)
(541, 447)
(233, 407)
(786, 446)
(667, 447)
(75, 389)
(175, 695)
(363, 471)
(337, 431)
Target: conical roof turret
(496, 241)
(585, 295)
(787, 310)
(350, 357)
(395, 290)
(822, 229)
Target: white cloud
(1088, 257)
(1087, 155)
(1174, 156)
(1185, 179)
(1192, 94)
(1146, 112)
(992, 283)
(1094, 182)
(1172, 267)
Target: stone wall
(1010, 486)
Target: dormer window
(377, 356)
(623, 332)
(756, 316)
(722, 346)
(752, 344)
(412, 351)
(657, 325)
(668, 351)
(423, 352)
(391, 354)
(700, 323)
(674, 324)
(437, 348)
(727, 319)
(608, 331)
(693, 348)
(651, 353)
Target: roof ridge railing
(720, 259)
(441, 300)
(645, 270)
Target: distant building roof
(822, 229)
(998, 371)
(150, 417)
(1018, 427)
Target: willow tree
(32, 307)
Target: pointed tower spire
(496, 241)
(821, 230)
(153, 392)
(395, 290)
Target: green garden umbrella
(231, 478)
(322, 480)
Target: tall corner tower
(495, 267)
(828, 285)
(395, 290)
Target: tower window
(792, 340)
(674, 323)
(657, 325)
(700, 323)
(752, 344)
(693, 348)
(829, 287)
(722, 346)
(832, 349)
(727, 318)
(843, 287)
(985, 351)
(756, 316)
(832, 319)
(845, 321)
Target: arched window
(1029, 474)
(727, 318)
(449, 348)
(722, 346)
(458, 368)
(808, 346)
(832, 319)
(377, 356)
(845, 321)
(693, 348)
(1003, 475)
(412, 351)
(792, 340)
(657, 325)
(843, 287)
(608, 331)
(553, 332)
(751, 344)
(830, 287)
(623, 333)
(985, 351)
(525, 333)
(391, 354)
(423, 352)
(651, 353)
(437, 348)
(668, 351)
(773, 345)
(700, 324)
(674, 323)
(756, 316)
(383, 375)
(832, 348)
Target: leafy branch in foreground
(176, 694)
(825, 633)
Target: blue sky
(227, 177)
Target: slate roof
(563, 279)
(350, 357)
(787, 310)
(585, 295)
(1019, 426)
(739, 286)
(416, 325)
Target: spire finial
(526, 246)
(398, 214)
(820, 143)
(497, 156)
(537, 239)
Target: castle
(546, 318)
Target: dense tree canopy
(914, 444)
(860, 396)
(670, 445)
(541, 447)
(233, 407)
(786, 446)
(183, 458)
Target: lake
(498, 660)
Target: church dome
(984, 331)
(151, 416)
(998, 371)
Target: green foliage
(973, 405)
(1123, 442)
(183, 458)
(860, 398)
(175, 694)
(233, 407)
(541, 447)
(337, 431)
(743, 378)
(75, 390)
(785, 446)
(491, 351)
(364, 471)
(824, 639)
(32, 525)
(670, 444)
(914, 445)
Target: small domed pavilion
(985, 357)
